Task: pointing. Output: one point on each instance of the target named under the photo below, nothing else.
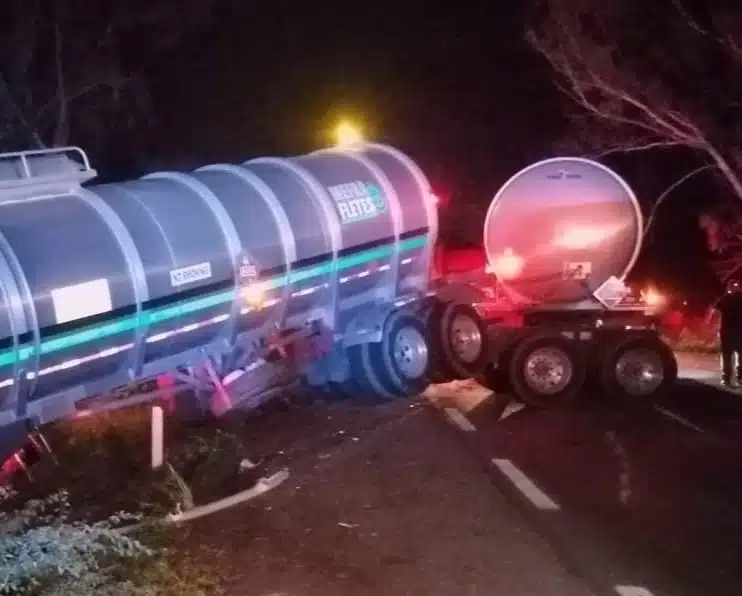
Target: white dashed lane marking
(525, 485)
(512, 408)
(459, 420)
(528, 488)
(670, 415)
(633, 591)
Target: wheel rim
(640, 371)
(465, 338)
(411, 353)
(548, 371)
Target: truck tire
(440, 372)
(463, 340)
(639, 368)
(399, 365)
(459, 344)
(548, 371)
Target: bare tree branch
(692, 23)
(72, 68)
(635, 100)
(636, 147)
(628, 93)
(661, 199)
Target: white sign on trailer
(612, 292)
(81, 300)
(580, 270)
(190, 274)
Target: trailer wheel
(639, 368)
(440, 371)
(397, 366)
(548, 371)
(460, 349)
(463, 337)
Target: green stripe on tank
(158, 315)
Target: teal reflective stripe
(365, 257)
(55, 344)
(347, 262)
(158, 315)
(128, 323)
(308, 273)
(413, 243)
(275, 282)
(167, 313)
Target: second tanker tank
(558, 229)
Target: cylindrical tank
(560, 228)
(112, 280)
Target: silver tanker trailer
(560, 237)
(236, 280)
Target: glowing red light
(508, 265)
(652, 297)
(440, 197)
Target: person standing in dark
(730, 332)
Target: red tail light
(508, 265)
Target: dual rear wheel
(641, 368)
(398, 365)
(445, 342)
(395, 367)
(551, 371)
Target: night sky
(455, 87)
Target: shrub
(42, 550)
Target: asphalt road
(387, 500)
(643, 501)
(470, 497)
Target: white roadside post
(158, 431)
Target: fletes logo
(358, 200)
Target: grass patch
(44, 551)
(61, 531)
(112, 450)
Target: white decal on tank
(577, 270)
(357, 201)
(190, 274)
(81, 300)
